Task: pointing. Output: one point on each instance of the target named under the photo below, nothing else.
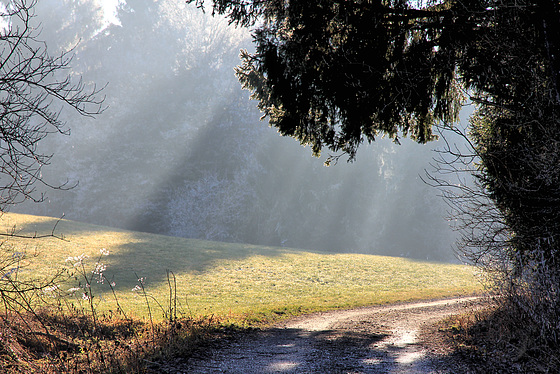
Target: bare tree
(484, 235)
(34, 87)
(524, 274)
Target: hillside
(227, 279)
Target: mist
(181, 150)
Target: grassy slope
(244, 282)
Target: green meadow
(237, 282)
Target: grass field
(241, 282)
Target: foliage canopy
(337, 73)
(334, 74)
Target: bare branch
(33, 90)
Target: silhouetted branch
(473, 214)
(33, 90)
(12, 233)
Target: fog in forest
(181, 150)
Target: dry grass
(75, 344)
(495, 339)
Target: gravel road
(382, 339)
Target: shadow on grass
(135, 254)
(153, 258)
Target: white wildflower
(77, 260)
(98, 271)
(104, 252)
(136, 288)
(50, 289)
(99, 268)
(73, 289)
(85, 296)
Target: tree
(334, 74)
(513, 69)
(33, 88)
(317, 62)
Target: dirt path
(367, 340)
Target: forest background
(180, 149)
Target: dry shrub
(75, 344)
(500, 339)
(43, 331)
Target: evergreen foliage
(335, 74)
